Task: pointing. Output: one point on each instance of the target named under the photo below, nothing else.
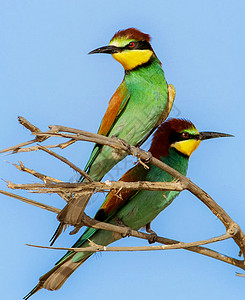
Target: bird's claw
(127, 234)
(152, 238)
(122, 224)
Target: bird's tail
(55, 278)
(71, 214)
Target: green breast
(146, 205)
(148, 100)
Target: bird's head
(130, 47)
(181, 135)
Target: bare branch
(35, 130)
(46, 179)
(28, 125)
(41, 176)
(99, 248)
(32, 202)
(36, 148)
(66, 161)
(98, 186)
(17, 147)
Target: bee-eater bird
(173, 143)
(141, 103)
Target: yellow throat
(132, 58)
(186, 147)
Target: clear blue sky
(47, 77)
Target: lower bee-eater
(173, 143)
(139, 105)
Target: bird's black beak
(106, 49)
(212, 135)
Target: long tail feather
(57, 233)
(56, 277)
(32, 292)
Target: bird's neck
(148, 74)
(152, 64)
(176, 160)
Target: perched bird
(173, 143)
(139, 105)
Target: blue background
(47, 77)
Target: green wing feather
(111, 204)
(115, 108)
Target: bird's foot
(128, 233)
(153, 236)
(122, 224)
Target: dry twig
(98, 186)
(100, 248)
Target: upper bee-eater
(139, 105)
(173, 143)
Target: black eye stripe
(178, 137)
(139, 45)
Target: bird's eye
(185, 135)
(131, 44)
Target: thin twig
(66, 161)
(18, 149)
(100, 248)
(32, 202)
(44, 178)
(19, 146)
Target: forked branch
(183, 183)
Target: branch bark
(32, 202)
(98, 186)
(100, 248)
